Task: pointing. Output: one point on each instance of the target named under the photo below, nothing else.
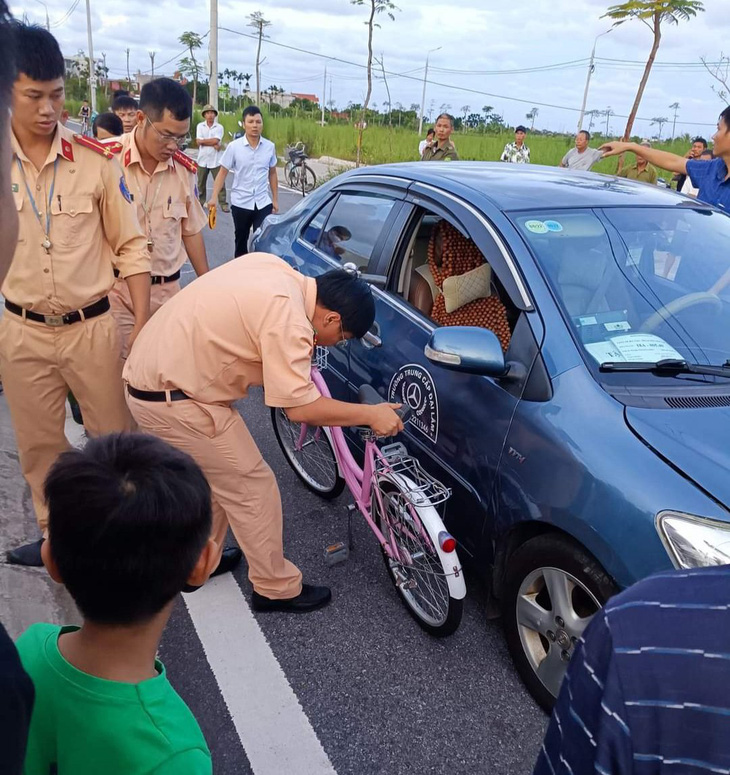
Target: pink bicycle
(399, 501)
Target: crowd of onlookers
(438, 145)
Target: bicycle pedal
(336, 553)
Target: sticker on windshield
(646, 348)
(553, 226)
(413, 386)
(622, 325)
(536, 227)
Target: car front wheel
(553, 586)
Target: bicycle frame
(361, 483)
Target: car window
(313, 229)
(354, 227)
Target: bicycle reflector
(447, 542)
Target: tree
(387, 89)
(675, 107)
(720, 71)
(608, 112)
(376, 7)
(653, 13)
(259, 23)
(660, 121)
(192, 40)
(531, 116)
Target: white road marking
(271, 724)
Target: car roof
(530, 186)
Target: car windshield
(640, 284)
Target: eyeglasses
(168, 139)
(342, 344)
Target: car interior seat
(583, 275)
(451, 254)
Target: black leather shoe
(229, 559)
(30, 554)
(309, 599)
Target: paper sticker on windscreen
(645, 348)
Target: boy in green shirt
(129, 526)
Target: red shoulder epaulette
(115, 147)
(95, 145)
(186, 161)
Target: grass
(382, 144)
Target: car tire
(541, 634)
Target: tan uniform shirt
(446, 152)
(245, 323)
(93, 227)
(170, 196)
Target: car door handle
(370, 340)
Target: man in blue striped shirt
(648, 689)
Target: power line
(466, 89)
(67, 15)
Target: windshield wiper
(668, 367)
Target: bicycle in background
(398, 499)
(297, 173)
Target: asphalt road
(380, 695)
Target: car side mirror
(468, 349)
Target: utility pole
(423, 94)
(152, 60)
(92, 66)
(675, 107)
(591, 68)
(129, 80)
(213, 55)
(324, 92)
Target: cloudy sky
(481, 42)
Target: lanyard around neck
(47, 230)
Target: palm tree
(376, 7)
(652, 13)
(192, 40)
(660, 121)
(257, 21)
(531, 116)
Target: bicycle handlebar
(369, 395)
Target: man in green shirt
(443, 149)
(128, 529)
(640, 169)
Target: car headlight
(694, 542)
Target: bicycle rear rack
(319, 358)
(425, 489)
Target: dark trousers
(243, 220)
(203, 173)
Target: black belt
(157, 395)
(92, 311)
(157, 279)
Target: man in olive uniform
(76, 223)
(443, 149)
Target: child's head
(129, 525)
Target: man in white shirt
(581, 157)
(209, 137)
(255, 189)
(687, 187)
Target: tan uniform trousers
(123, 309)
(39, 364)
(244, 489)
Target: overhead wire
(466, 89)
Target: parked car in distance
(563, 339)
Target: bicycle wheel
(310, 179)
(315, 462)
(419, 576)
(293, 177)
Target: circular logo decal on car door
(413, 386)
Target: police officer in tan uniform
(442, 149)
(76, 223)
(162, 181)
(253, 321)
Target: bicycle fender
(433, 523)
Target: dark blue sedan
(563, 340)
